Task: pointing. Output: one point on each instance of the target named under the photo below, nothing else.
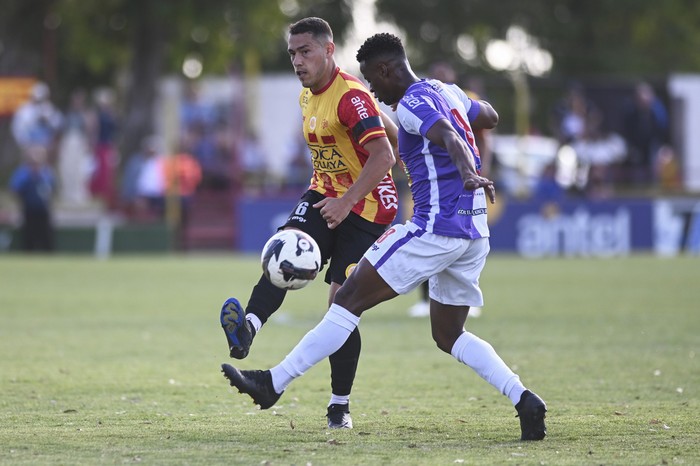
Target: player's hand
(333, 210)
(474, 182)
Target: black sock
(344, 364)
(265, 299)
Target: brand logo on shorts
(471, 212)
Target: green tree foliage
(592, 37)
(130, 44)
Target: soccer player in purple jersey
(446, 240)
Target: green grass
(117, 361)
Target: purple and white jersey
(441, 205)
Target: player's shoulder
(351, 80)
(349, 84)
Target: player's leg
(352, 238)
(363, 289)
(422, 307)
(241, 326)
(343, 368)
(456, 289)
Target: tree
(603, 42)
(130, 44)
(21, 54)
(603, 37)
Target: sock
(255, 321)
(344, 364)
(264, 300)
(483, 359)
(339, 400)
(319, 343)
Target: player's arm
(392, 131)
(486, 118)
(482, 139)
(358, 112)
(443, 134)
(381, 159)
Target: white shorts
(405, 256)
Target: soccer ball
(291, 259)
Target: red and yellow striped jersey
(338, 121)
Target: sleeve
(471, 105)
(417, 114)
(358, 111)
(473, 110)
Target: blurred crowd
(633, 151)
(71, 155)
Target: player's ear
(383, 70)
(330, 48)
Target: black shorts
(344, 245)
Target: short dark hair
(316, 26)
(382, 44)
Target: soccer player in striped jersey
(446, 240)
(351, 198)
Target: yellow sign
(13, 93)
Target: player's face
(312, 60)
(377, 76)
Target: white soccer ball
(291, 259)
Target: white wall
(278, 119)
(685, 88)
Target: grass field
(117, 361)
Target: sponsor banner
(586, 228)
(677, 226)
(258, 219)
(666, 227)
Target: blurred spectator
(163, 175)
(209, 145)
(253, 162)
(34, 184)
(102, 184)
(182, 174)
(37, 122)
(300, 166)
(668, 170)
(150, 180)
(205, 135)
(130, 195)
(194, 112)
(646, 130)
(598, 151)
(443, 71)
(182, 177)
(570, 114)
(75, 158)
(548, 192)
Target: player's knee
(444, 340)
(347, 296)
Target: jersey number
(301, 209)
